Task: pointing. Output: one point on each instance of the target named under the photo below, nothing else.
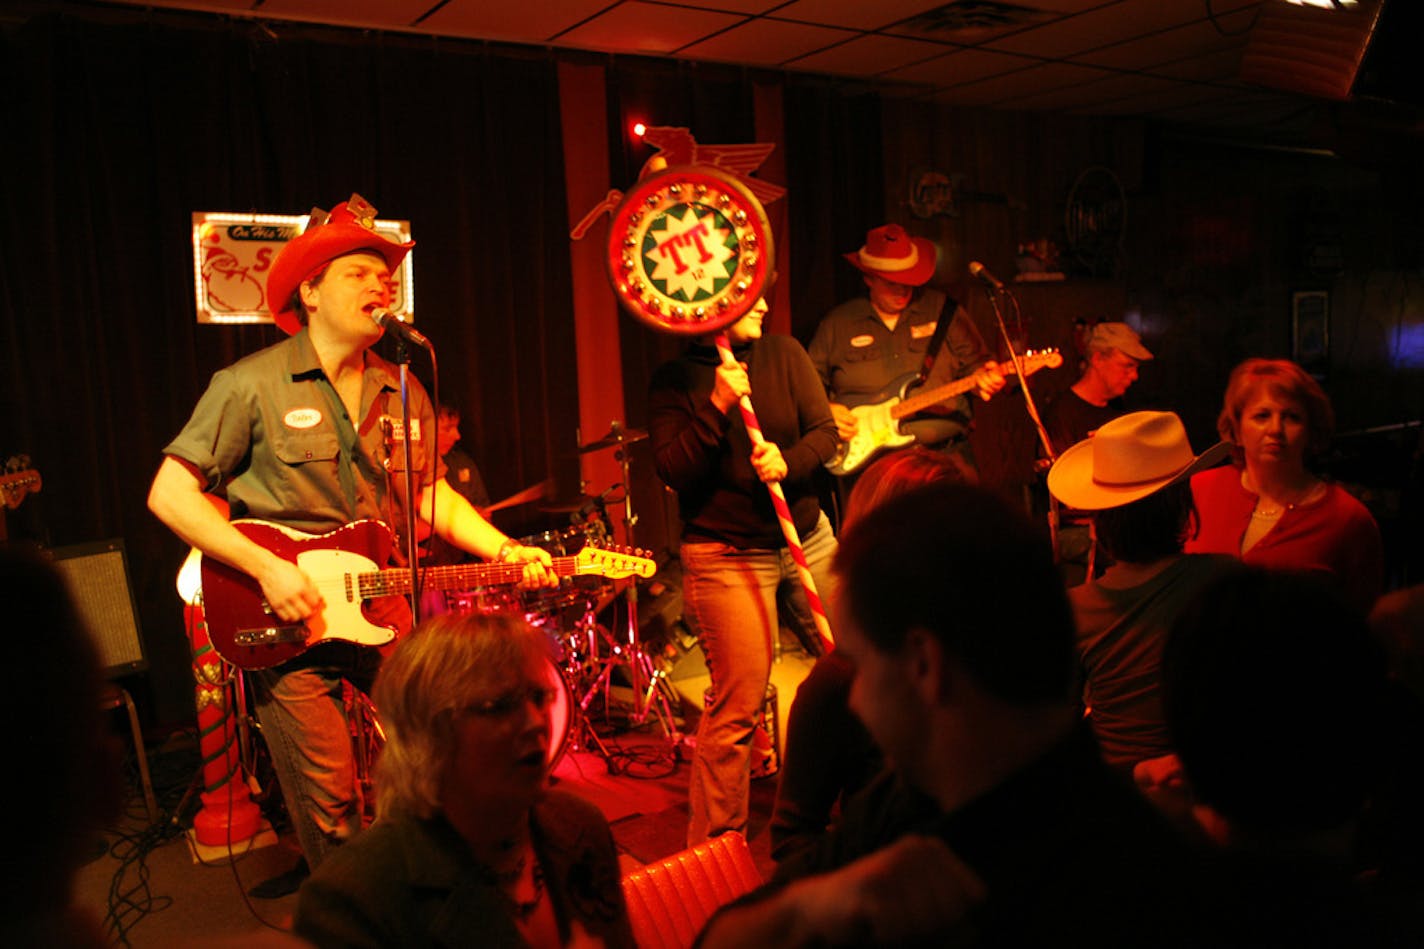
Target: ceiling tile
(648, 28)
(1223, 65)
(510, 22)
(958, 67)
(211, 6)
(735, 6)
(767, 42)
(856, 14)
(1102, 27)
(378, 14)
(1167, 46)
(870, 55)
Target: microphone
(979, 270)
(387, 320)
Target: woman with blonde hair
(469, 847)
(1269, 508)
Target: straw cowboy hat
(891, 253)
(348, 229)
(1129, 458)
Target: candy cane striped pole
(783, 511)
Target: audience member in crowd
(63, 787)
(1270, 509)
(953, 616)
(469, 845)
(1132, 476)
(829, 755)
(1276, 698)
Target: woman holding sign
(734, 554)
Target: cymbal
(569, 505)
(618, 436)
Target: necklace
(1270, 514)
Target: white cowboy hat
(1126, 460)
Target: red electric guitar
(343, 566)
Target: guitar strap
(946, 316)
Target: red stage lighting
(639, 128)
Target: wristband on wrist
(505, 549)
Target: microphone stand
(412, 549)
(993, 293)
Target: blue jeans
(729, 602)
(303, 718)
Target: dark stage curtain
(119, 130)
(834, 159)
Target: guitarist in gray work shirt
(866, 348)
(303, 436)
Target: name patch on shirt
(860, 342)
(302, 418)
(396, 431)
(921, 330)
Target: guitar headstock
(616, 562)
(1035, 359)
(17, 479)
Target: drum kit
(590, 664)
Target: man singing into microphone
(306, 435)
(866, 345)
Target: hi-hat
(616, 436)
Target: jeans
(303, 718)
(729, 602)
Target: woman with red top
(1269, 508)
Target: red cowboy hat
(891, 253)
(346, 230)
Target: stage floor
(164, 898)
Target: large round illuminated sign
(689, 250)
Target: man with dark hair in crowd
(1286, 731)
(952, 612)
(50, 691)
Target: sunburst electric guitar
(343, 567)
(878, 422)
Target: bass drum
(544, 606)
(561, 711)
(481, 600)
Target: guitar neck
(939, 394)
(396, 581)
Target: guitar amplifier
(98, 578)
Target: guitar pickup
(270, 635)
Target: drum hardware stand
(649, 684)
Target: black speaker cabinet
(98, 578)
